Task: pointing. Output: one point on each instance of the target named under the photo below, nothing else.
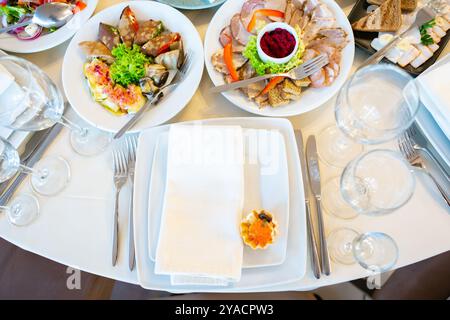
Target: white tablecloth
(75, 227)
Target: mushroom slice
(148, 87)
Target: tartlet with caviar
(258, 229)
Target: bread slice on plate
(386, 18)
(407, 5)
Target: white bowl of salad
(34, 38)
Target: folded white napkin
(435, 93)
(199, 240)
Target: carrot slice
(272, 84)
(264, 12)
(228, 57)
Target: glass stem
(72, 126)
(42, 174)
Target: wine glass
(333, 202)
(22, 210)
(377, 104)
(32, 102)
(377, 182)
(374, 251)
(48, 177)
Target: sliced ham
(226, 37)
(248, 8)
(309, 6)
(238, 30)
(279, 5)
(219, 63)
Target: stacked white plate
(281, 191)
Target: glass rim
(378, 234)
(380, 66)
(352, 165)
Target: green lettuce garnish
(129, 66)
(251, 53)
(12, 13)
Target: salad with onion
(16, 11)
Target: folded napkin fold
(435, 93)
(199, 240)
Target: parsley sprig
(425, 38)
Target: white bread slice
(386, 18)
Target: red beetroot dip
(277, 43)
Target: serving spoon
(48, 15)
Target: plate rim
(206, 6)
(280, 111)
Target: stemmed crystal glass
(32, 102)
(377, 104)
(375, 183)
(374, 251)
(22, 210)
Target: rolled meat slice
(147, 31)
(128, 26)
(96, 49)
(108, 35)
(238, 30)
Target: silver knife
(311, 234)
(39, 148)
(314, 181)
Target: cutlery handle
(325, 258)
(312, 242)
(376, 57)
(441, 189)
(131, 254)
(240, 84)
(15, 26)
(115, 241)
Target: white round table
(75, 227)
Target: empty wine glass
(22, 210)
(48, 177)
(377, 182)
(333, 202)
(374, 251)
(32, 102)
(377, 104)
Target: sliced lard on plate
(408, 56)
(443, 23)
(433, 47)
(425, 54)
(433, 35)
(438, 30)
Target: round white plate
(78, 93)
(11, 43)
(310, 99)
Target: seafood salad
(275, 36)
(130, 62)
(15, 11)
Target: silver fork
(120, 177)
(302, 71)
(131, 143)
(175, 78)
(411, 151)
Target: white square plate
(266, 187)
(294, 266)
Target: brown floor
(24, 275)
